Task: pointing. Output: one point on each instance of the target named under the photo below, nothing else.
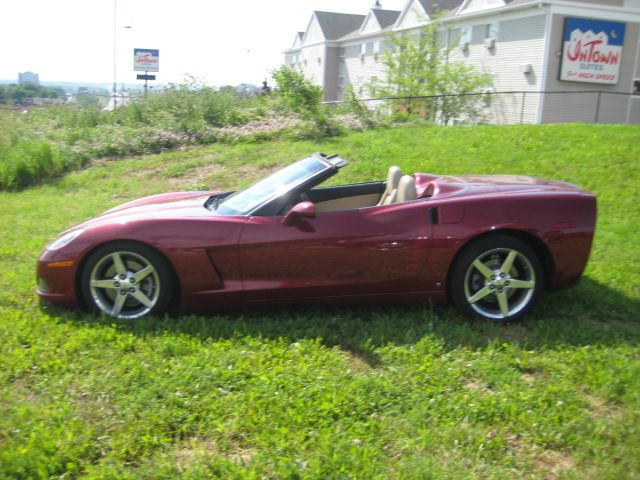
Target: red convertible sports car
(488, 243)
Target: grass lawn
(377, 392)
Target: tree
(301, 96)
(418, 65)
(20, 94)
(298, 93)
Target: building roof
(385, 17)
(336, 25)
(434, 6)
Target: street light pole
(114, 54)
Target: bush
(301, 96)
(37, 143)
(27, 161)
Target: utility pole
(114, 53)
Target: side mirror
(298, 212)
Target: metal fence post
(598, 106)
(524, 96)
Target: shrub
(27, 161)
(301, 96)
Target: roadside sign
(145, 77)
(146, 60)
(592, 51)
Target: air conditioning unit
(526, 68)
(489, 43)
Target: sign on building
(592, 51)
(146, 60)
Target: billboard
(146, 60)
(591, 51)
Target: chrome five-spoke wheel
(497, 278)
(126, 281)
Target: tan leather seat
(406, 189)
(393, 178)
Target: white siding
(370, 24)
(358, 70)
(478, 5)
(314, 32)
(312, 63)
(519, 42)
(412, 16)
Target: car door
(366, 251)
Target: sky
(220, 42)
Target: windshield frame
(276, 200)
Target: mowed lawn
(370, 392)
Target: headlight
(64, 240)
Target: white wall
(311, 61)
(520, 41)
(357, 70)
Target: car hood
(166, 205)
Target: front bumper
(56, 278)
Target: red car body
(394, 252)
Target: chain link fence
(516, 106)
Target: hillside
(371, 392)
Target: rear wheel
(497, 278)
(126, 280)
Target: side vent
(433, 216)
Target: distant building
(590, 47)
(28, 77)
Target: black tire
(126, 280)
(483, 282)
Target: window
(244, 201)
(465, 35)
(341, 80)
(636, 87)
(363, 49)
(376, 47)
(491, 30)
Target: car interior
(397, 189)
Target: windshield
(245, 201)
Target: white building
(583, 53)
(28, 77)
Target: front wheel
(126, 280)
(497, 278)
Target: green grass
(377, 392)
